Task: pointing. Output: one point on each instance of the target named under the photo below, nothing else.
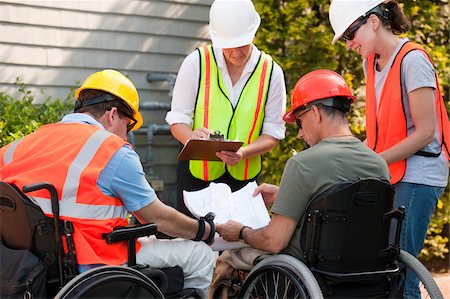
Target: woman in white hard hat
(232, 87)
(406, 120)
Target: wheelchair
(38, 257)
(347, 251)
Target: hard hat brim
(289, 116)
(139, 122)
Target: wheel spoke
(287, 285)
(276, 283)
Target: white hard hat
(233, 23)
(344, 12)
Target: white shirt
(186, 86)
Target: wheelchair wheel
(110, 282)
(427, 285)
(280, 276)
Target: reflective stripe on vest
(71, 156)
(244, 122)
(9, 154)
(68, 205)
(389, 127)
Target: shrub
(19, 116)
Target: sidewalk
(443, 282)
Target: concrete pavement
(443, 282)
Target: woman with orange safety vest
(232, 87)
(406, 120)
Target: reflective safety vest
(389, 127)
(215, 112)
(70, 156)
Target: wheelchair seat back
(24, 227)
(345, 230)
(23, 224)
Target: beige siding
(55, 45)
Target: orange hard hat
(320, 87)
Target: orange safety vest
(70, 156)
(389, 127)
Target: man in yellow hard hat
(232, 87)
(99, 179)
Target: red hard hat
(318, 85)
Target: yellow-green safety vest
(214, 111)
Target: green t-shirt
(331, 161)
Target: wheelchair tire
(297, 281)
(110, 282)
(427, 284)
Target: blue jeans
(420, 202)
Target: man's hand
(229, 157)
(269, 193)
(229, 230)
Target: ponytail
(395, 19)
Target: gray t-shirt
(331, 161)
(417, 72)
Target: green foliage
(297, 34)
(19, 117)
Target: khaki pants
(230, 260)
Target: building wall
(55, 45)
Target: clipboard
(205, 149)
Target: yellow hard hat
(117, 84)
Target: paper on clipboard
(205, 149)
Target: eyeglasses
(132, 122)
(349, 34)
(297, 119)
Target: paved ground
(443, 281)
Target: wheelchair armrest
(124, 233)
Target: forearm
(176, 224)
(182, 132)
(271, 238)
(171, 222)
(263, 240)
(407, 147)
(423, 114)
(262, 145)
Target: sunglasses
(132, 122)
(297, 119)
(349, 34)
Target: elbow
(275, 246)
(428, 133)
(274, 249)
(429, 137)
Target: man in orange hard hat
(99, 179)
(320, 101)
